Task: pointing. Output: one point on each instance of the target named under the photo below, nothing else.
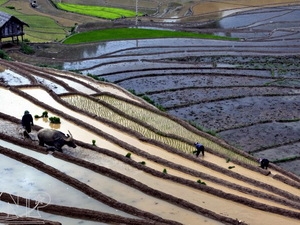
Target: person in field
(264, 163)
(199, 149)
(27, 122)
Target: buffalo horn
(71, 137)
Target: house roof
(4, 17)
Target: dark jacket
(27, 122)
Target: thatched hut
(10, 26)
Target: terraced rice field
(140, 169)
(161, 182)
(249, 100)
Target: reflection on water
(54, 126)
(91, 51)
(11, 78)
(28, 212)
(171, 20)
(234, 14)
(26, 181)
(10, 100)
(104, 48)
(254, 18)
(58, 89)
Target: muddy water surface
(101, 183)
(24, 211)
(270, 17)
(136, 200)
(31, 183)
(161, 209)
(104, 87)
(80, 134)
(77, 86)
(11, 78)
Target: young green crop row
(106, 113)
(97, 11)
(164, 124)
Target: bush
(147, 99)
(97, 78)
(4, 55)
(26, 40)
(132, 91)
(161, 108)
(10, 7)
(128, 155)
(26, 49)
(94, 142)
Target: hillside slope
(160, 182)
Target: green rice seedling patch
(55, 120)
(104, 112)
(97, 11)
(169, 126)
(201, 182)
(134, 33)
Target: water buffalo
(55, 139)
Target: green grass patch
(41, 28)
(134, 33)
(4, 55)
(3, 1)
(97, 11)
(26, 49)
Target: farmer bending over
(264, 163)
(199, 148)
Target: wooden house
(11, 26)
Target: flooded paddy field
(133, 163)
(103, 173)
(236, 95)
